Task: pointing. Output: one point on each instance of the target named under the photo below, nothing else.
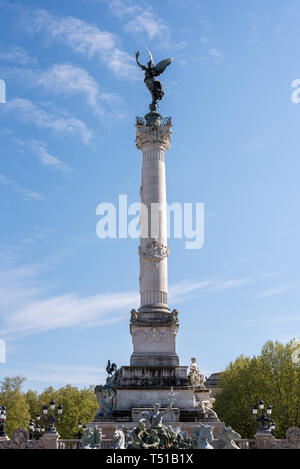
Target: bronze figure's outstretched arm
(138, 62)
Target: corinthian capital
(157, 136)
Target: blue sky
(67, 144)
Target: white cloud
(30, 315)
(15, 54)
(85, 39)
(143, 19)
(25, 193)
(69, 80)
(216, 55)
(278, 290)
(40, 148)
(63, 374)
(27, 111)
(180, 290)
(68, 311)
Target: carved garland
(154, 252)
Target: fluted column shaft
(153, 250)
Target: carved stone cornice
(153, 136)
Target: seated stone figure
(195, 377)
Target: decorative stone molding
(141, 320)
(165, 121)
(155, 334)
(147, 136)
(154, 252)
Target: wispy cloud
(51, 161)
(279, 290)
(15, 54)
(143, 18)
(68, 311)
(85, 39)
(41, 151)
(236, 262)
(275, 320)
(216, 55)
(27, 111)
(32, 314)
(63, 374)
(14, 186)
(70, 80)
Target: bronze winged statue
(152, 71)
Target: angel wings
(152, 71)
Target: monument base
(137, 388)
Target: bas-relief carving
(154, 334)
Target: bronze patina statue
(152, 71)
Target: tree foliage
(78, 405)
(272, 376)
(17, 408)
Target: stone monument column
(153, 327)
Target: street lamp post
(52, 419)
(267, 425)
(79, 435)
(3, 415)
(36, 429)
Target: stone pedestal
(50, 440)
(264, 440)
(141, 387)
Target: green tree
(271, 376)
(32, 399)
(17, 408)
(78, 405)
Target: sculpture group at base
(156, 435)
